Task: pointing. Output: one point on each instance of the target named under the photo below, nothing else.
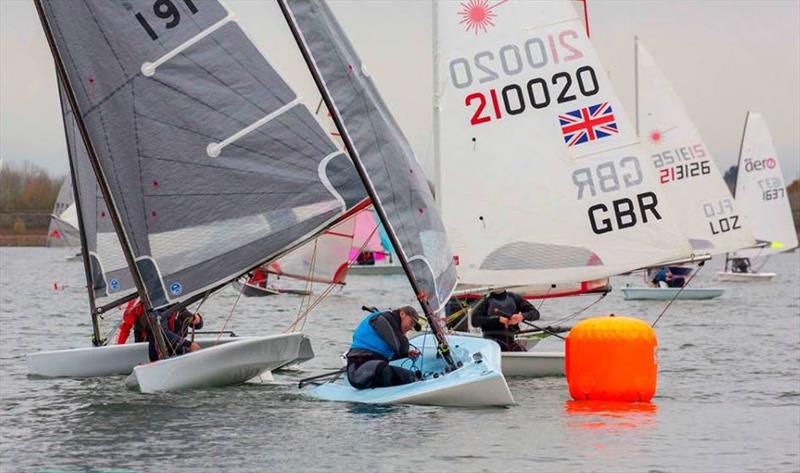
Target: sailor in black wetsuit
(379, 339)
(499, 314)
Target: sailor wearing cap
(379, 339)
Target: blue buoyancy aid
(366, 338)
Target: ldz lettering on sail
(610, 177)
(720, 216)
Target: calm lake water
(728, 395)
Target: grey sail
(110, 273)
(389, 161)
(212, 162)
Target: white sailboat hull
(533, 364)
(475, 384)
(667, 293)
(111, 360)
(743, 277)
(221, 365)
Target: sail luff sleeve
(398, 179)
(214, 162)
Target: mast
(444, 348)
(101, 178)
(738, 168)
(437, 167)
(636, 81)
(87, 266)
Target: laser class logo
(477, 15)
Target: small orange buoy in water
(612, 359)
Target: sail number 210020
(536, 92)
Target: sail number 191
(166, 10)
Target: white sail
(542, 176)
(687, 172)
(63, 230)
(70, 215)
(761, 193)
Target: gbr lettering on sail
(545, 87)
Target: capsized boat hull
(533, 364)
(374, 270)
(668, 293)
(251, 290)
(729, 276)
(479, 382)
(111, 360)
(227, 364)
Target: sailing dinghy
(688, 175)
(174, 109)
(761, 194)
(456, 372)
(540, 176)
(63, 229)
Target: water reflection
(610, 416)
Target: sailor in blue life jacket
(499, 314)
(379, 339)
(663, 275)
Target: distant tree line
(27, 196)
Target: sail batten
(193, 221)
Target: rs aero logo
(759, 164)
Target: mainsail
(760, 191)
(392, 170)
(542, 177)
(686, 169)
(110, 275)
(211, 161)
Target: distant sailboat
(541, 178)
(207, 162)
(761, 195)
(688, 176)
(371, 252)
(63, 230)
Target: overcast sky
(723, 58)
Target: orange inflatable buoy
(612, 359)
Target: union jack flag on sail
(588, 124)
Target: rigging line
(699, 267)
(580, 311)
(302, 317)
(763, 263)
(309, 284)
(552, 286)
(225, 324)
